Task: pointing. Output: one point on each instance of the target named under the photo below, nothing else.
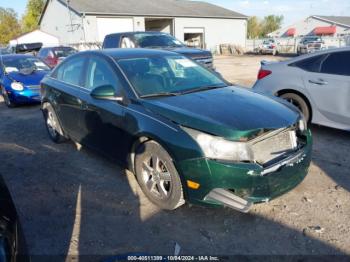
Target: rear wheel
(157, 176)
(7, 100)
(52, 124)
(300, 103)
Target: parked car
(20, 77)
(157, 40)
(310, 44)
(318, 84)
(54, 55)
(269, 46)
(184, 132)
(13, 246)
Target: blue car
(20, 77)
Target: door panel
(103, 120)
(331, 95)
(329, 86)
(68, 96)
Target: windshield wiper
(204, 88)
(160, 95)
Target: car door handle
(320, 82)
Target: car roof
(125, 53)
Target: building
(197, 23)
(333, 26)
(35, 37)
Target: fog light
(192, 184)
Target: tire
(157, 176)
(52, 124)
(7, 100)
(300, 103)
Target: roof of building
(341, 20)
(157, 8)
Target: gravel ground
(72, 201)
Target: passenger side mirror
(105, 92)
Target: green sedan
(186, 133)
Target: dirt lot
(71, 201)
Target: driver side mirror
(105, 92)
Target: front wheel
(157, 176)
(299, 102)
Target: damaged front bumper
(244, 183)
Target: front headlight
(17, 86)
(218, 148)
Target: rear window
(63, 52)
(111, 41)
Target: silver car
(318, 84)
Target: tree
(253, 27)
(9, 25)
(32, 14)
(271, 23)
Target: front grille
(207, 62)
(274, 145)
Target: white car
(318, 84)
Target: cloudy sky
(292, 10)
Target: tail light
(263, 73)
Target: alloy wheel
(51, 124)
(157, 177)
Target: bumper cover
(250, 182)
(25, 96)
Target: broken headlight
(215, 147)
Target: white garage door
(107, 26)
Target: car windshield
(19, 64)
(64, 52)
(156, 40)
(312, 39)
(168, 75)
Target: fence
(289, 45)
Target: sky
(292, 10)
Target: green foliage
(31, 17)
(9, 25)
(253, 27)
(259, 29)
(271, 23)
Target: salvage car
(310, 44)
(318, 84)
(20, 77)
(157, 40)
(52, 56)
(184, 131)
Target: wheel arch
(146, 137)
(293, 91)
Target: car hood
(231, 112)
(191, 52)
(32, 79)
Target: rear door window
(312, 64)
(71, 71)
(337, 64)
